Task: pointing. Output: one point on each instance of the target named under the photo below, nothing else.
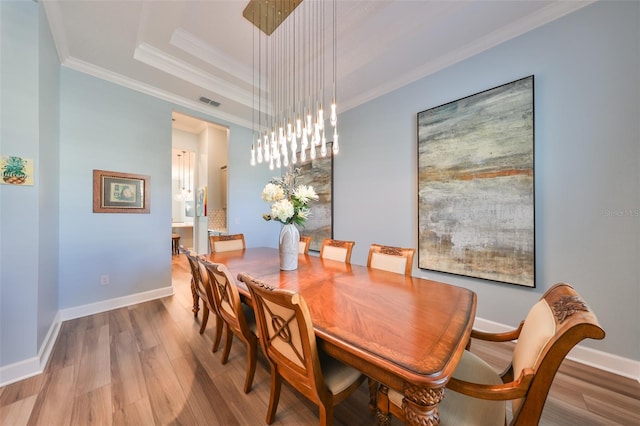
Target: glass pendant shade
(291, 59)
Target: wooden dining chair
(336, 250)
(477, 395)
(288, 340)
(305, 242)
(220, 243)
(393, 259)
(202, 291)
(238, 317)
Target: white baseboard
(118, 302)
(32, 366)
(594, 358)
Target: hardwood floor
(148, 365)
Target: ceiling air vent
(209, 101)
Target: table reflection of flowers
(290, 203)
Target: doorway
(199, 185)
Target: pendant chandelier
(289, 51)
(184, 192)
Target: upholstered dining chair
(477, 395)
(238, 317)
(288, 340)
(201, 290)
(336, 250)
(393, 259)
(305, 242)
(219, 243)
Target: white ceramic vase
(289, 243)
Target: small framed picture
(115, 192)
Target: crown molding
(56, 25)
(158, 59)
(138, 86)
(198, 48)
(548, 14)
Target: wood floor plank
(119, 321)
(93, 408)
(54, 404)
(68, 348)
(173, 341)
(95, 363)
(168, 401)
(127, 377)
(209, 406)
(18, 412)
(619, 408)
(137, 413)
(23, 389)
(144, 331)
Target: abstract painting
(476, 185)
(319, 174)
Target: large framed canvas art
(476, 185)
(319, 174)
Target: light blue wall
(587, 142)
(108, 127)
(18, 204)
(49, 184)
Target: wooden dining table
(406, 332)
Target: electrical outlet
(104, 279)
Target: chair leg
(373, 394)
(227, 346)
(219, 329)
(325, 414)
(252, 355)
(276, 384)
(205, 318)
(196, 299)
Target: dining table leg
(420, 405)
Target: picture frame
(476, 204)
(117, 192)
(201, 201)
(319, 174)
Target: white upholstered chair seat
(457, 409)
(337, 376)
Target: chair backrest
(554, 325)
(305, 242)
(227, 297)
(287, 336)
(221, 243)
(394, 259)
(336, 250)
(200, 280)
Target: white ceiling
(180, 50)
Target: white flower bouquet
(290, 202)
